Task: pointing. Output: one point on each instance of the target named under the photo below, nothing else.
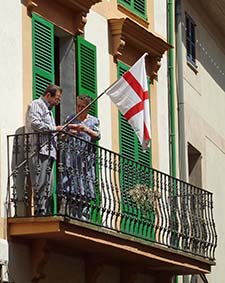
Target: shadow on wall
(209, 56)
(212, 64)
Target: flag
(130, 95)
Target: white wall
(160, 21)
(205, 116)
(11, 81)
(96, 31)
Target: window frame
(131, 7)
(190, 33)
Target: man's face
(55, 100)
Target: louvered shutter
(145, 157)
(43, 54)
(139, 6)
(43, 66)
(136, 6)
(86, 71)
(87, 84)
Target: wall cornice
(71, 9)
(126, 34)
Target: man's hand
(59, 128)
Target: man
(40, 125)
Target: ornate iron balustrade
(101, 187)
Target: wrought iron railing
(101, 187)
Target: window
(53, 56)
(136, 6)
(194, 166)
(190, 40)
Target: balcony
(104, 203)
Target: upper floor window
(138, 7)
(190, 40)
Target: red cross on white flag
(130, 94)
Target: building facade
(145, 225)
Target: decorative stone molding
(83, 21)
(137, 40)
(80, 4)
(30, 5)
(75, 10)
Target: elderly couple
(40, 125)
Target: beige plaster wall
(27, 58)
(2, 228)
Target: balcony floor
(79, 237)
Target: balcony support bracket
(137, 40)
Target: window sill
(133, 16)
(193, 66)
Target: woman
(79, 158)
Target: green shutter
(145, 157)
(136, 6)
(86, 71)
(43, 54)
(139, 7)
(87, 84)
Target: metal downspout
(180, 93)
(171, 86)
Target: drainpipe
(180, 92)
(171, 86)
